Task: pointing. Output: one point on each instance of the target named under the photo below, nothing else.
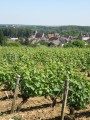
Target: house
(54, 36)
(56, 42)
(84, 37)
(13, 39)
(63, 40)
(39, 35)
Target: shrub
(78, 43)
(88, 46)
(69, 44)
(16, 44)
(42, 42)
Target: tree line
(27, 31)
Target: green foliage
(2, 39)
(43, 71)
(42, 42)
(13, 44)
(88, 45)
(69, 44)
(18, 31)
(78, 43)
(79, 93)
(26, 41)
(50, 44)
(27, 31)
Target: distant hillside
(27, 30)
(62, 29)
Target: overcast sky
(45, 12)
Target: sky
(45, 12)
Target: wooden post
(66, 88)
(6, 93)
(15, 94)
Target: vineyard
(42, 72)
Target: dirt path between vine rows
(37, 108)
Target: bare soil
(37, 108)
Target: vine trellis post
(65, 95)
(15, 94)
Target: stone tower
(80, 36)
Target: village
(53, 38)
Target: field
(42, 72)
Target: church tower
(80, 36)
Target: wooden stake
(6, 93)
(66, 88)
(15, 94)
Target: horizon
(46, 25)
(45, 13)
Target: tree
(26, 41)
(2, 39)
(78, 43)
